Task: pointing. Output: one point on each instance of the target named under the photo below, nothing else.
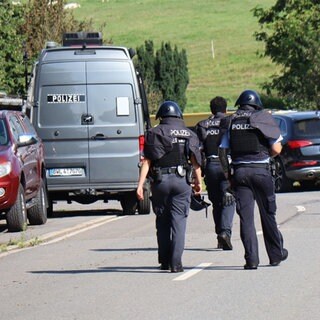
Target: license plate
(65, 172)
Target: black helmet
(197, 203)
(169, 109)
(249, 97)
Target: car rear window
(3, 133)
(307, 128)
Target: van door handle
(99, 136)
(86, 119)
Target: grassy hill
(197, 26)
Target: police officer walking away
(171, 150)
(208, 132)
(253, 136)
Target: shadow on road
(86, 213)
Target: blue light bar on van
(78, 39)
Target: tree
(11, 44)
(52, 20)
(24, 30)
(290, 31)
(146, 65)
(165, 72)
(181, 76)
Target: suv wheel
(17, 215)
(282, 183)
(37, 214)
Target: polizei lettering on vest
(213, 123)
(180, 133)
(213, 132)
(241, 126)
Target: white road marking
(193, 271)
(57, 236)
(300, 209)
(80, 228)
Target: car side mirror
(26, 140)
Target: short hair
(218, 104)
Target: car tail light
(141, 146)
(304, 163)
(294, 144)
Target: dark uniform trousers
(216, 183)
(252, 184)
(171, 203)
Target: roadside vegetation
(217, 35)
(270, 46)
(19, 243)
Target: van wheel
(37, 214)
(144, 205)
(129, 203)
(17, 215)
(281, 182)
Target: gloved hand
(228, 199)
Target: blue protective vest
(247, 144)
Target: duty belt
(252, 165)
(168, 170)
(213, 160)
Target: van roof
(87, 53)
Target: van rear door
(114, 131)
(61, 117)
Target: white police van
(88, 104)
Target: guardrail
(190, 119)
(11, 103)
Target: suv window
(282, 125)
(28, 126)
(307, 128)
(16, 127)
(3, 133)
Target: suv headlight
(5, 168)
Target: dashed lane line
(202, 266)
(193, 271)
(300, 209)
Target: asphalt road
(101, 265)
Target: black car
(299, 160)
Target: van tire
(129, 203)
(17, 214)
(144, 205)
(37, 214)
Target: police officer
(208, 132)
(253, 136)
(171, 150)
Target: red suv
(22, 172)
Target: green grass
(192, 25)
